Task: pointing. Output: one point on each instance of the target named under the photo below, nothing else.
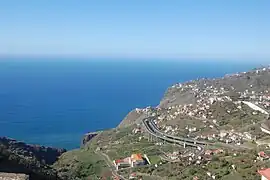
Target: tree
(192, 171)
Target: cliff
(33, 160)
(133, 117)
(88, 137)
(13, 176)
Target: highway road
(152, 129)
(189, 140)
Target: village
(203, 122)
(189, 156)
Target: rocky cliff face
(87, 138)
(133, 117)
(46, 154)
(13, 176)
(33, 160)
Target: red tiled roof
(265, 173)
(136, 157)
(117, 161)
(262, 154)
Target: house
(122, 163)
(262, 156)
(208, 152)
(136, 160)
(223, 134)
(173, 156)
(248, 136)
(133, 176)
(217, 151)
(137, 130)
(208, 157)
(265, 173)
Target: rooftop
(265, 172)
(136, 157)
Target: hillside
(33, 160)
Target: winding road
(153, 130)
(110, 165)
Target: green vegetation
(224, 166)
(230, 116)
(87, 162)
(154, 159)
(82, 164)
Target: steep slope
(133, 117)
(18, 157)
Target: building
(217, 151)
(208, 152)
(262, 156)
(133, 176)
(122, 163)
(211, 152)
(133, 161)
(265, 173)
(136, 160)
(173, 156)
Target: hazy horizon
(140, 29)
(47, 57)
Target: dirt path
(110, 164)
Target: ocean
(54, 101)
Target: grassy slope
(81, 163)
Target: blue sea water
(55, 101)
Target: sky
(136, 28)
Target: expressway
(152, 129)
(186, 140)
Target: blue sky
(144, 28)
